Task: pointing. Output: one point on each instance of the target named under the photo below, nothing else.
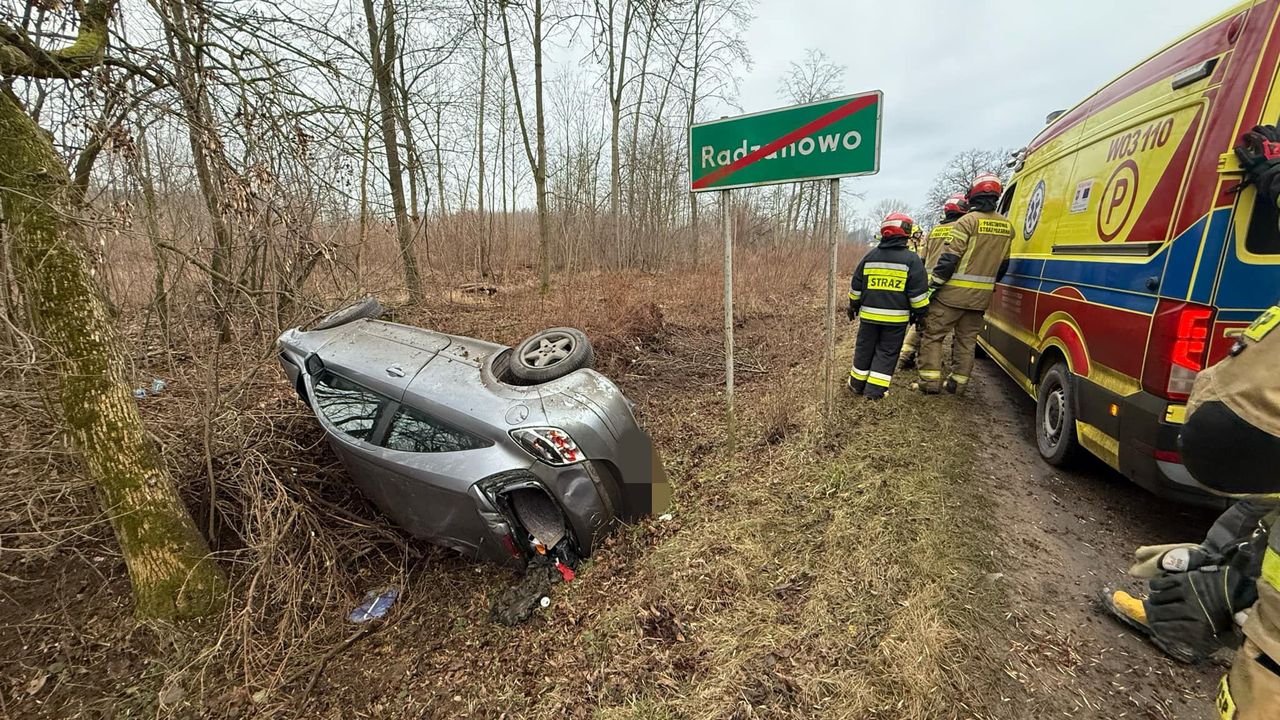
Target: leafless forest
(182, 179)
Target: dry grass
(830, 569)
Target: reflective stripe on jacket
(889, 284)
(968, 267)
(939, 237)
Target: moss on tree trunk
(169, 565)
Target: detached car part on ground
(508, 455)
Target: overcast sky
(960, 75)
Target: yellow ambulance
(1138, 258)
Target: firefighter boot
(856, 385)
(1126, 608)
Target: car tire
(365, 308)
(551, 354)
(1056, 417)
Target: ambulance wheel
(1056, 417)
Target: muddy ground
(907, 559)
(1067, 532)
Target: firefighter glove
(1191, 614)
(852, 310)
(1259, 154)
(1188, 613)
(1259, 148)
(1154, 560)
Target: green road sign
(828, 139)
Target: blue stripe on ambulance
(1125, 285)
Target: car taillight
(552, 446)
(1191, 343)
(1178, 350)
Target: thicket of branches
(233, 150)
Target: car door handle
(1194, 74)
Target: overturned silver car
(503, 454)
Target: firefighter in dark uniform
(952, 210)
(963, 280)
(888, 290)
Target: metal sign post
(832, 235)
(825, 140)
(726, 219)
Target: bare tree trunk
(693, 114)
(159, 296)
(617, 74)
(537, 159)
(187, 55)
(172, 573)
(439, 141)
(366, 141)
(485, 240)
(383, 59)
(633, 150)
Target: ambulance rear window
(1006, 202)
(1264, 231)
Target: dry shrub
(814, 577)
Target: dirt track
(1068, 534)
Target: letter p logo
(1118, 198)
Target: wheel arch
(1062, 341)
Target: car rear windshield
(353, 409)
(414, 431)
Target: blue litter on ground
(376, 604)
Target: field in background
(830, 569)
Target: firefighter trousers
(942, 319)
(1251, 690)
(912, 342)
(875, 357)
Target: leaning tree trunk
(172, 573)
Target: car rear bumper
(1149, 451)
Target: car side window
(353, 409)
(1263, 237)
(415, 431)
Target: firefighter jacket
(890, 284)
(973, 260)
(939, 237)
(1231, 439)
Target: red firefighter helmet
(985, 184)
(896, 225)
(956, 205)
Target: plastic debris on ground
(158, 386)
(139, 393)
(375, 606)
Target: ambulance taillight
(1178, 349)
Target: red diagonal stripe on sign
(809, 128)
